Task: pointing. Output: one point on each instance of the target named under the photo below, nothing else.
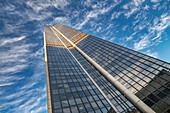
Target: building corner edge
(49, 103)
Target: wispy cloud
(132, 11)
(39, 109)
(6, 84)
(155, 6)
(143, 23)
(37, 5)
(31, 11)
(26, 100)
(95, 13)
(39, 54)
(11, 40)
(9, 80)
(155, 31)
(32, 105)
(29, 96)
(63, 20)
(116, 15)
(142, 43)
(15, 102)
(29, 85)
(87, 2)
(159, 27)
(156, 0)
(9, 7)
(112, 39)
(16, 54)
(153, 54)
(132, 7)
(146, 7)
(13, 59)
(12, 69)
(34, 16)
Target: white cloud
(4, 78)
(25, 100)
(11, 103)
(16, 54)
(9, 7)
(154, 7)
(34, 16)
(164, 5)
(39, 109)
(124, 27)
(37, 5)
(62, 20)
(9, 28)
(13, 60)
(131, 36)
(27, 103)
(142, 43)
(138, 2)
(11, 40)
(156, 1)
(9, 80)
(16, 102)
(33, 102)
(39, 53)
(155, 31)
(146, 7)
(125, 6)
(37, 102)
(143, 23)
(99, 29)
(109, 36)
(115, 15)
(132, 7)
(94, 14)
(13, 69)
(30, 97)
(15, 95)
(132, 11)
(29, 85)
(159, 27)
(6, 84)
(112, 39)
(109, 26)
(154, 54)
(40, 12)
(87, 3)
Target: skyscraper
(88, 74)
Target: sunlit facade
(88, 74)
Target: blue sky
(142, 25)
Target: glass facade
(134, 70)
(71, 90)
(119, 100)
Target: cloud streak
(155, 30)
(12, 40)
(95, 13)
(153, 54)
(132, 7)
(37, 5)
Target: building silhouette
(85, 73)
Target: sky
(142, 25)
